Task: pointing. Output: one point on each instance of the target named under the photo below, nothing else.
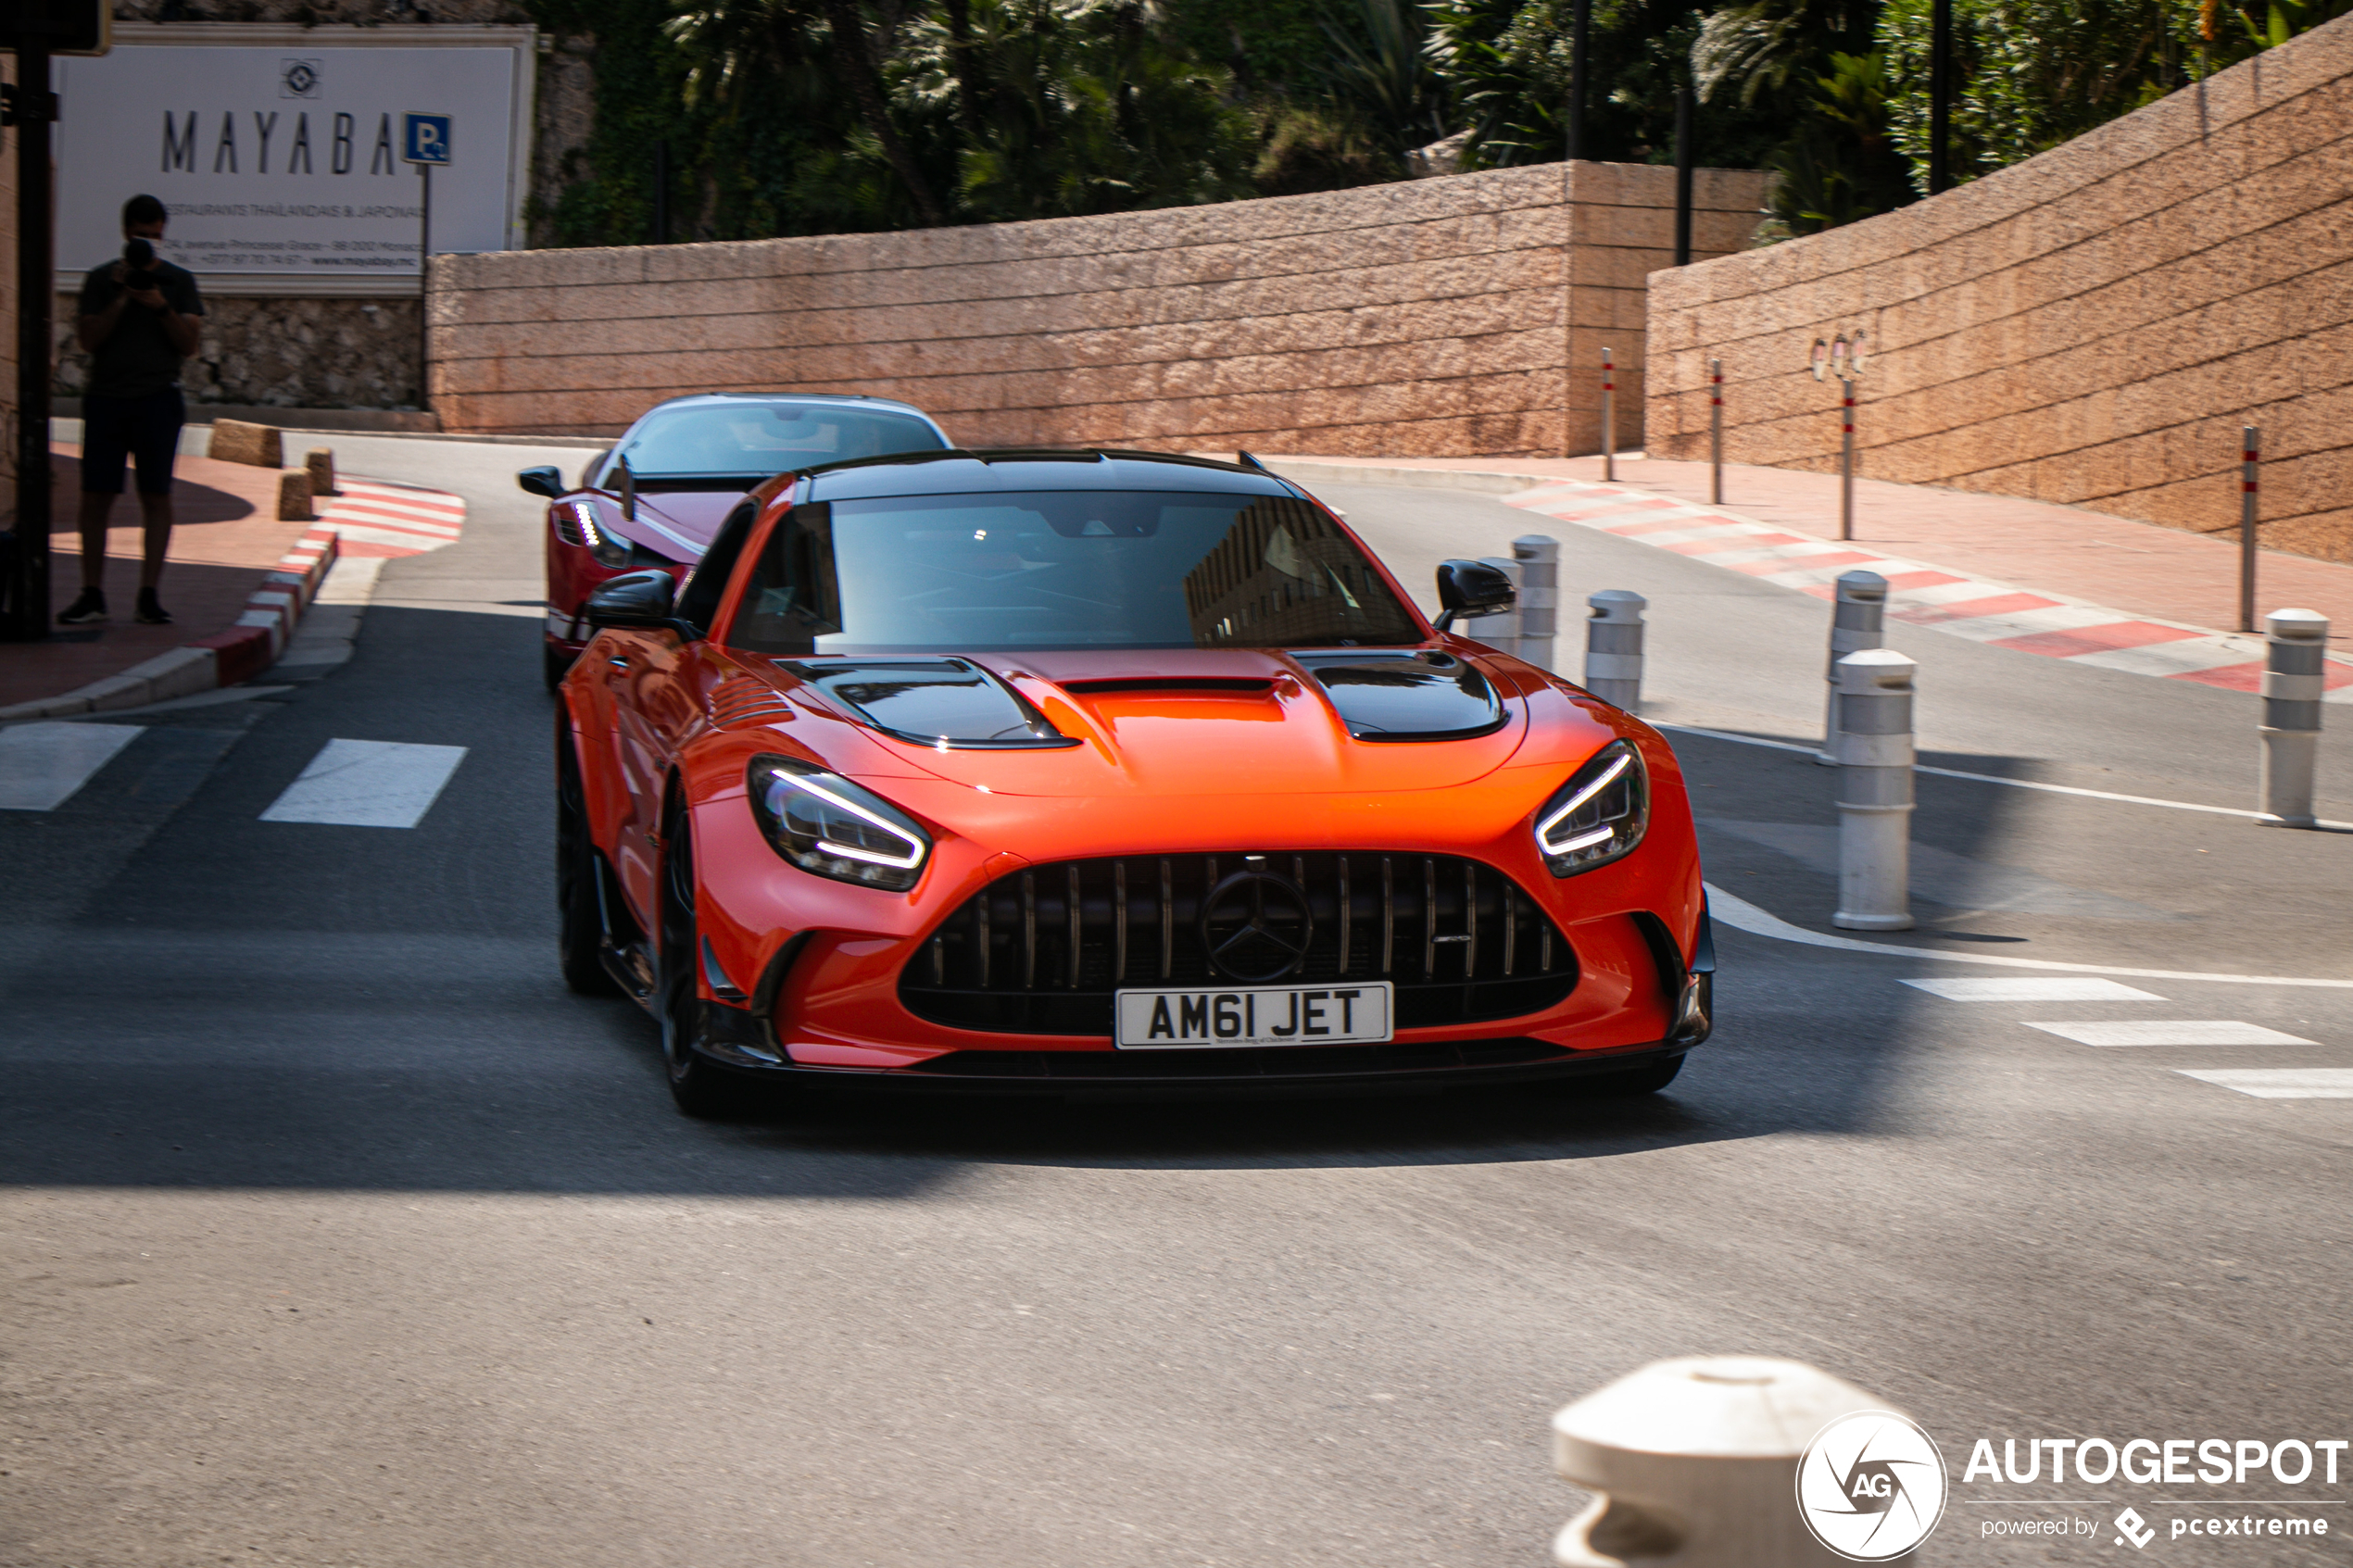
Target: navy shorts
(117, 429)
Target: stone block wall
(2091, 327)
(283, 352)
(1436, 317)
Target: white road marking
(1741, 915)
(2084, 990)
(1991, 778)
(368, 784)
(2279, 1082)
(2170, 1032)
(42, 765)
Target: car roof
(848, 399)
(962, 471)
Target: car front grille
(1041, 951)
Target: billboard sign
(287, 167)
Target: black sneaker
(89, 608)
(151, 611)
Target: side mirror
(546, 482)
(634, 598)
(1472, 587)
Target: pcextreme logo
(1870, 1485)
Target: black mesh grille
(1041, 951)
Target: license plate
(1254, 1015)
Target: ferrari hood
(1180, 723)
(676, 523)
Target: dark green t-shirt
(137, 359)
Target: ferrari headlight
(1599, 815)
(824, 823)
(576, 525)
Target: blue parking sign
(425, 138)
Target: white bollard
(1614, 647)
(1501, 632)
(2294, 683)
(1874, 791)
(1696, 1461)
(1858, 620)
(1538, 556)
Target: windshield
(767, 438)
(1065, 569)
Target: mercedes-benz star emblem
(1256, 926)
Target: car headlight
(824, 823)
(576, 525)
(1599, 815)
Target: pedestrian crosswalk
(368, 784)
(44, 765)
(2261, 1083)
(2280, 1083)
(346, 783)
(2068, 988)
(2170, 1032)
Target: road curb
(225, 659)
(1489, 482)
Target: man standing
(140, 320)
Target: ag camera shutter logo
(1870, 1485)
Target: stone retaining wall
(1432, 316)
(2090, 327)
(282, 353)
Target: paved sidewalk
(227, 573)
(2163, 574)
(227, 541)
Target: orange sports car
(1074, 771)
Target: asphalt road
(337, 1231)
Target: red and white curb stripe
(224, 659)
(1996, 613)
(378, 519)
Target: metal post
(1858, 620)
(1538, 556)
(1693, 1460)
(2294, 683)
(1610, 417)
(1614, 647)
(1874, 791)
(662, 191)
(1500, 632)
(1940, 96)
(26, 600)
(2251, 453)
(1716, 432)
(1580, 36)
(1683, 157)
(425, 277)
(1846, 459)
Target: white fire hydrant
(1696, 1464)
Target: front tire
(555, 665)
(702, 1089)
(580, 930)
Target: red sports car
(656, 498)
(1085, 770)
